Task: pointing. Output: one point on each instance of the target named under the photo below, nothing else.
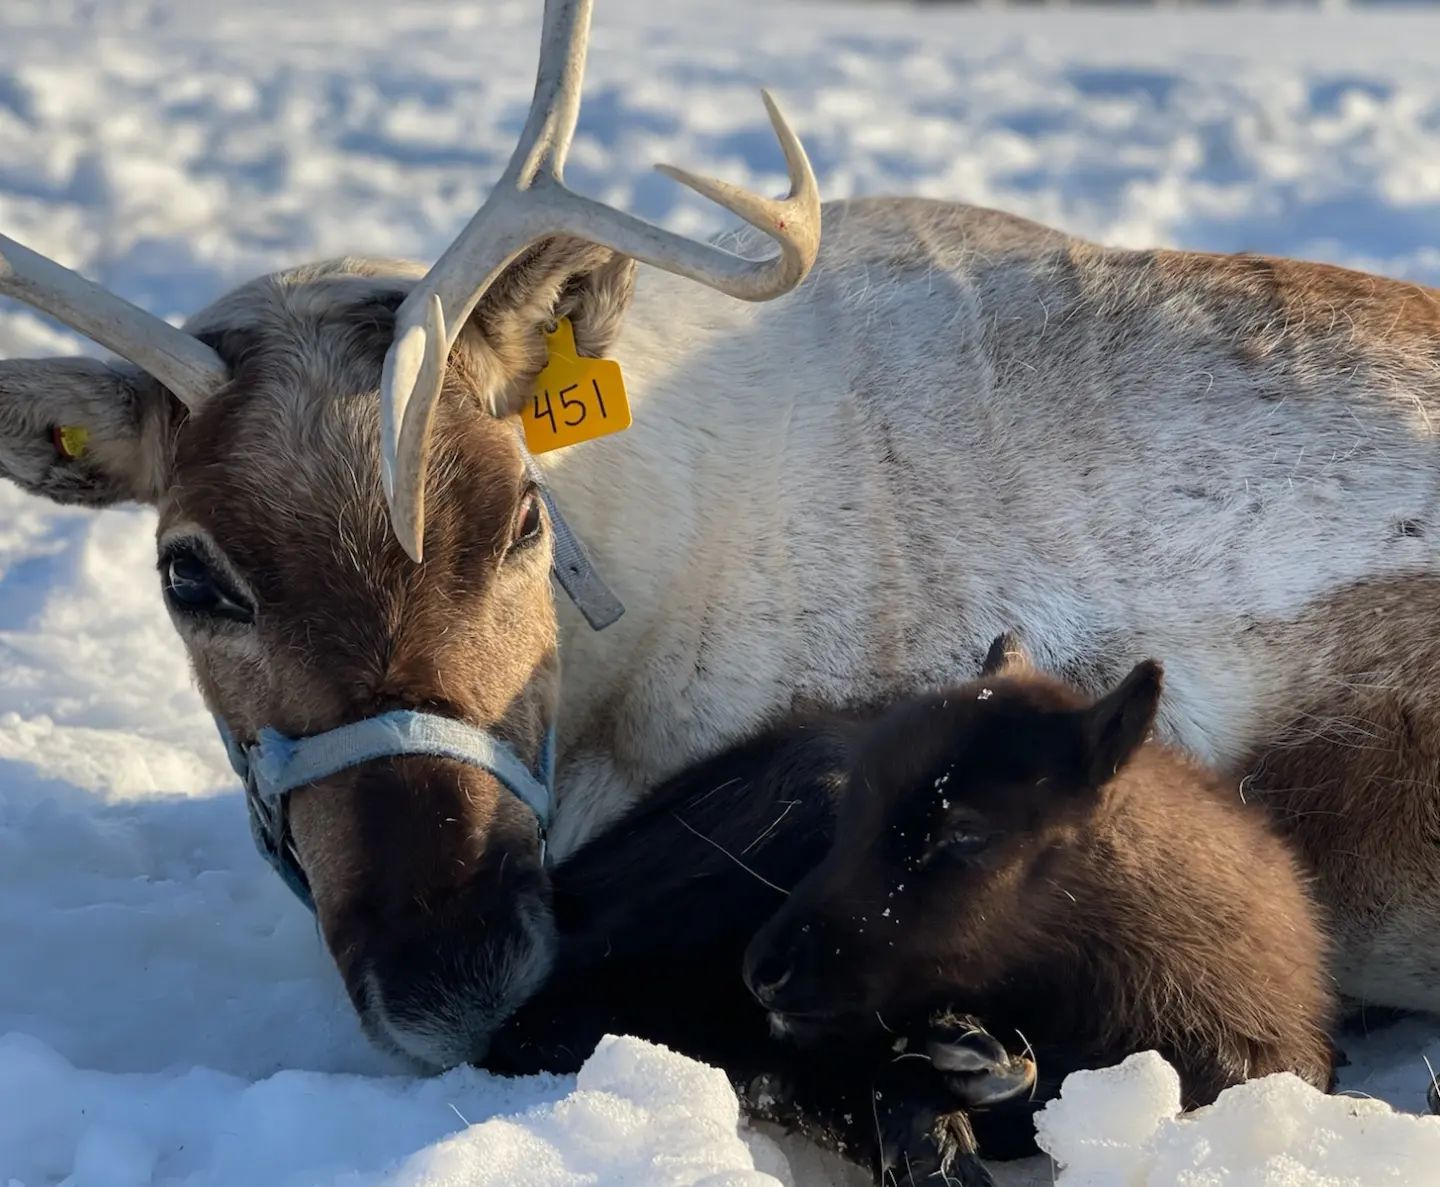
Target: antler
(531, 202)
(183, 364)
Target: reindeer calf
(1006, 849)
(1014, 850)
(654, 917)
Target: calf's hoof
(978, 1070)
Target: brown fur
(1358, 312)
(425, 874)
(1123, 898)
(1350, 778)
(348, 627)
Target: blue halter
(275, 765)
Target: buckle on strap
(275, 765)
(269, 824)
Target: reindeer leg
(923, 1138)
(898, 1119)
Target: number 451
(576, 408)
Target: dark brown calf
(1014, 850)
(654, 918)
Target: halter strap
(274, 765)
(570, 564)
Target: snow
(168, 1011)
(1120, 1128)
(636, 1113)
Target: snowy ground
(170, 1015)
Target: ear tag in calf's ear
(574, 399)
(70, 440)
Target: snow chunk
(637, 1113)
(1121, 1127)
(108, 1157)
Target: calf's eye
(963, 843)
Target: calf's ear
(1117, 725)
(81, 431)
(1007, 657)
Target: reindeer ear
(79, 431)
(1116, 726)
(558, 277)
(1007, 657)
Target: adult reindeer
(961, 423)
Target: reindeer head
(348, 528)
(955, 806)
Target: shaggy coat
(1107, 913)
(1015, 850)
(654, 918)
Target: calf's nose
(781, 966)
(768, 977)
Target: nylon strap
(571, 564)
(275, 765)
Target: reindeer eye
(528, 520)
(191, 587)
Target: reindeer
(837, 489)
(653, 918)
(1013, 849)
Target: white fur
(768, 553)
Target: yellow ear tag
(70, 440)
(574, 399)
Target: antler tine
(183, 364)
(530, 203)
(424, 351)
(555, 107)
(498, 232)
(792, 221)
